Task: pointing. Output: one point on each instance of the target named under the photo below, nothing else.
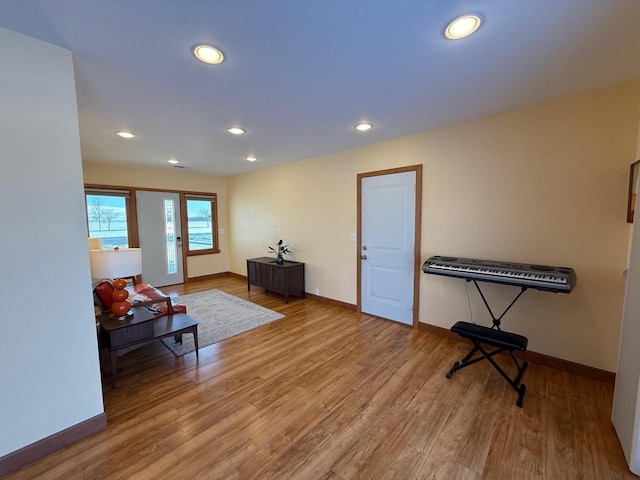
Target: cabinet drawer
(132, 334)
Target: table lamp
(95, 243)
(115, 264)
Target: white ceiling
(299, 74)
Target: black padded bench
(502, 341)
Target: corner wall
(49, 358)
(545, 184)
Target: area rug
(219, 316)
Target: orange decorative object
(120, 309)
(120, 305)
(119, 295)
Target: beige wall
(545, 184)
(169, 178)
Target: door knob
(363, 257)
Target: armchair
(141, 294)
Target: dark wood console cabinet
(286, 279)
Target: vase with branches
(280, 250)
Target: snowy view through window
(107, 219)
(200, 224)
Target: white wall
(49, 372)
(545, 184)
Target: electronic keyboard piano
(540, 277)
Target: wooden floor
(326, 393)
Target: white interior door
(625, 412)
(159, 234)
(387, 247)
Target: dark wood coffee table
(139, 328)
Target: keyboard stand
(504, 341)
(496, 321)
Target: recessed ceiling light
(363, 127)
(208, 54)
(251, 158)
(123, 134)
(173, 161)
(235, 130)
(462, 27)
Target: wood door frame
(417, 235)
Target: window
(170, 237)
(202, 220)
(107, 216)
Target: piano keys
(540, 277)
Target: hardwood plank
(450, 438)
(365, 455)
(327, 393)
(460, 472)
(563, 429)
(502, 458)
(412, 442)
